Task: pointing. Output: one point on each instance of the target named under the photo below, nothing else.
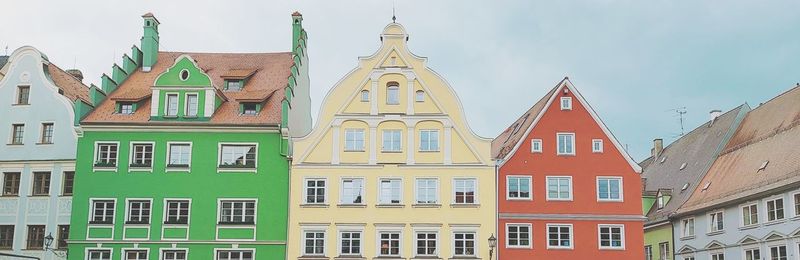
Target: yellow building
(392, 170)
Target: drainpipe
(497, 202)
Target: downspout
(497, 203)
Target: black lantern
(492, 245)
(48, 241)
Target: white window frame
(89, 250)
(795, 196)
(565, 103)
(475, 201)
(521, 177)
(162, 251)
(91, 211)
(571, 236)
(255, 157)
(518, 225)
(340, 240)
(712, 227)
(380, 191)
(220, 201)
(715, 255)
(186, 106)
(571, 144)
(660, 201)
(165, 216)
(599, 143)
(305, 190)
(169, 156)
(355, 131)
(621, 189)
(43, 132)
(124, 111)
(758, 215)
(536, 145)
(364, 95)
(126, 250)
(416, 240)
(132, 152)
(391, 134)
(97, 153)
(306, 230)
(476, 243)
(611, 247)
(363, 191)
(400, 243)
(128, 209)
(770, 247)
(389, 89)
(684, 231)
(419, 96)
(547, 187)
(783, 208)
(430, 145)
(752, 249)
(167, 106)
(417, 187)
(217, 250)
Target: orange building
(567, 189)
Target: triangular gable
(774, 235)
(565, 83)
(748, 239)
(714, 245)
(172, 77)
(393, 59)
(687, 250)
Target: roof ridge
(700, 127)
(239, 53)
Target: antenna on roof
(680, 112)
(6, 50)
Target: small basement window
(249, 108)
(233, 85)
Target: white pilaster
(373, 144)
(410, 96)
(410, 147)
(373, 99)
(335, 146)
(448, 154)
(154, 104)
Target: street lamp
(492, 245)
(48, 241)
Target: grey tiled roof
(698, 149)
(3, 61)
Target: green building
(187, 154)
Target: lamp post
(492, 245)
(48, 241)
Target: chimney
(297, 29)
(149, 42)
(658, 147)
(76, 74)
(715, 113)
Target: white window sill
(351, 205)
(749, 227)
(390, 206)
(557, 199)
(519, 199)
(612, 201)
(465, 205)
(687, 238)
(104, 169)
(236, 170)
(714, 233)
(426, 205)
(612, 248)
(775, 222)
(559, 248)
(314, 205)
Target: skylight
(663, 159)
(685, 186)
(706, 186)
(763, 166)
(683, 166)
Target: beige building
(391, 170)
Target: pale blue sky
(632, 60)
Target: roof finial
(394, 18)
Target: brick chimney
(658, 147)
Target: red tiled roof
(238, 73)
(270, 78)
(72, 87)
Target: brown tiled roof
(697, 149)
(505, 142)
(134, 95)
(72, 87)
(769, 133)
(271, 77)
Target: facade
(672, 172)
(567, 188)
(748, 204)
(37, 159)
(391, 170)
(188, 156)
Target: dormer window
(365, 95)
(233, 85)
(249, 108)
(660, 202)
(191, 105)
(126, 108)
(171, 109)
(393, 93)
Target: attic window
(683, 166)
(660, 201)
(708, 184)
(393, 61)
(126, 108)
(184, 75)
(365, 95)
(420, 97)
(566, 103)
(249, 108)
(233, 85)
(663, 159)
(763, 166)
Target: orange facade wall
(584, 167)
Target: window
(717, 222)
(179, 155)
(351, 243)
(566, 144)
(518, 235)
(660, 201)
(420, 96)
(237, 212)
(559, 188)
(126, 108)
(663, 251)
(23, 94)
(106, 155)
(142, 155)
(249, 108)
(393, 94)
(612, 236)
(184, 73)
(426, 243)
(35, 237)
(104, 254)
(172, 105)
(315, 191)
(465, 190)
(609, 189)
(778, 253)
(314, 243)
(752, 254)
(429, 140)
(559, 236)
(138, 212)
(191, 105)
(63, 235)
(234, 85)
(365, 95)
(135, 254)
(390, 191)
(47, 133)
(389, 243)
(6, 236)
(797, 204)
(17, 133)
(648, 252)
(177, 212)
(102, 212)
(566, 103)
(536, 145)
(237, 156)
(464, 243)
(519, 187)
(750, 215)
(235, 255)
(354, 140)
(392, 140)
(687, 227)
(352, 191)
(597, 145)
(11, 183)
(41, 184)
(775, 209)
(427, 191)
(173, 255)
(717, 256)
(688, 258)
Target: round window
(184, 75)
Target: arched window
(393, 93)
(365, 95)
(420, 97)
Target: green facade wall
(204, 185)
(657, 235)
